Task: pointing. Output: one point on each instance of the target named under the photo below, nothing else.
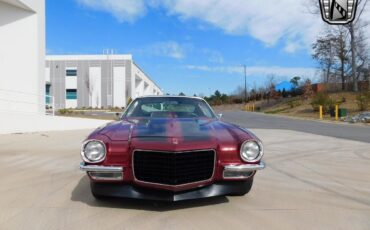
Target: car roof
(169, 96)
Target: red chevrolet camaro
(170, 149)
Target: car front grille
(173, 168)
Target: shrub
(322, 99)
(237, 100)
(62, 111)
(363, 101)
(65, 111)
(129, 100)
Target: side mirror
(219, 115)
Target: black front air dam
(132, 192)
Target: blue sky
(186, 47)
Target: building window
(47, 94)
(71, 94)
(71, 72)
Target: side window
(205, 110)
(131, 109)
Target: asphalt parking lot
(356, 132)
(311, 182)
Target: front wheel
(96, 195)
(247, 187)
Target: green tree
(217, 94)
(284, 93)
(295, 81)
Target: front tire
(247, 187)
(96, 195)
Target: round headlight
(93, 151)
(251, 151)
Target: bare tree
(270, 87)
(354, 30)
(271, 81)
(363, 56)
(353, 27)
(324, 53)
(307, 89)
(239, 92)
(341, 53)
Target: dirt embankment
(296, 107)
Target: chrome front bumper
(104, 173)
(115, 173)
(97, 168)
(241, 171)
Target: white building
(22, 51)
(76, 81)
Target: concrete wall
(22, 51)
(141, 84)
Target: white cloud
(165, 49)
(292, 47)
(269, 21)
(259, 70)
(213, 56)
(123, 10)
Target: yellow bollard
(320, 112)
(336, 112)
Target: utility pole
(245, 84)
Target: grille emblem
(175, 141)
(338, 12)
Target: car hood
(183, 129)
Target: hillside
(298, 107)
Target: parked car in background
(170, 149)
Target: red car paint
(171, 134)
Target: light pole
(245, 84)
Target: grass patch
(276, 111)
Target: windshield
(169, 107)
